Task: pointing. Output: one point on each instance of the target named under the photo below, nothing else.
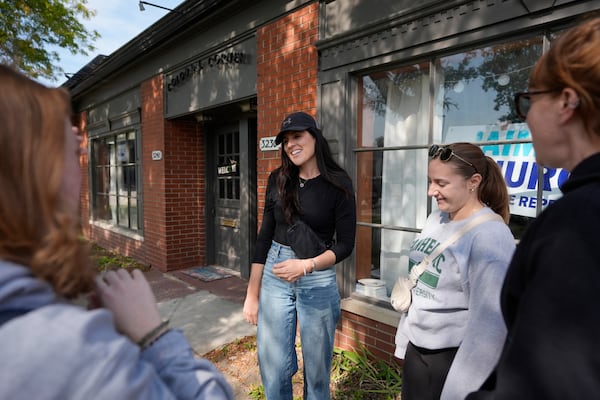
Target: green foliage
(107, 260)
(250, 346)
(359, 375)
(256, 392)
(29, 28)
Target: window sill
(116, 229)
(356, 305)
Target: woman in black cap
(287, 287)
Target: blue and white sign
(517, 161)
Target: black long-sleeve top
(551, 298)
(326, 209)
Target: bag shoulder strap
(420, 268)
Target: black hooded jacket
(551, 300)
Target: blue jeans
(313, 301)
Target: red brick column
(174, 187)
(185, 194)
(287, 63)
(153, 174)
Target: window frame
(113, 165)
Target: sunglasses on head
(445, 154)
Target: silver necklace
(302, 182)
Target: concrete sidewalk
(208, 321)
(209, 313)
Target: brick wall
(287, 63)
(174, 187)
(153, 175)
(185, 194)
(376, 336)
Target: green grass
(358, 375)
(107, 260)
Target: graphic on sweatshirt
(427, 245)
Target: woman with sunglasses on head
(453, 331)
(551, 293)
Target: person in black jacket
(551, 293)
(286, 287)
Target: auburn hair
(37, 230)
(573, 61)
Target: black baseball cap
(298, 121)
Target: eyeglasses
(523, 101)
(445, 154)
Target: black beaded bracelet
(150, 336)
(151, 342)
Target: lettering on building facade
(216, 61)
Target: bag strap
(420, 268)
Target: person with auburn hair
(453, 332)
(288, 289)
(49, 347)
(550, 296)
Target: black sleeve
(267, 228)
(345, 223)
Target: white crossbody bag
(402, 292)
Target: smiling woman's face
(451, 190)
(299, 146)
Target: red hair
(573, 61)
(36, 229)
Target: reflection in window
(474, 103)
(477, 87)
(114, 180)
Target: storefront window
(392, 186)
(115, 169)
(460, 97)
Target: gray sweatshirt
(61, 351)
(456, 302)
